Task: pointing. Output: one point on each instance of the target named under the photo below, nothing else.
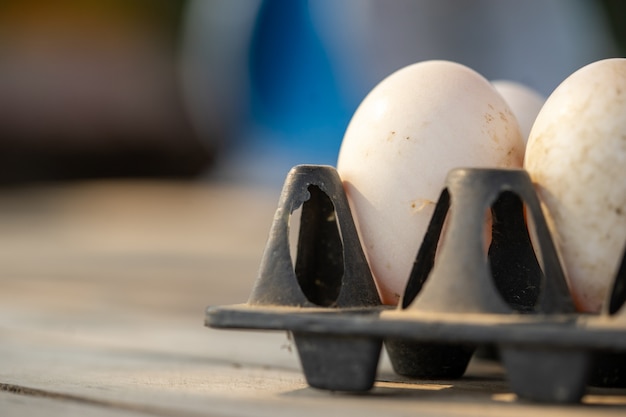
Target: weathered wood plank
(190, 383)
(34, 403)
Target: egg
(523, 101)
(576, 156)
(407, 134)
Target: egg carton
(459, 297)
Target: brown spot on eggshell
(420, 204)
(494, 137)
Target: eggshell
(523, 101)
(407, 134)
(576, 155)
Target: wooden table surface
(103, 287)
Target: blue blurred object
(294, 94)
(285, 76)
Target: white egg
(523, 101)
(407, 134)
(576, 155)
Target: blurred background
(241, 90)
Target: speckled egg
(407, 134)
(576, 156)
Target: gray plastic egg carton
(513, 298)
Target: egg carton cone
(511, 298)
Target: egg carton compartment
(512, 298)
